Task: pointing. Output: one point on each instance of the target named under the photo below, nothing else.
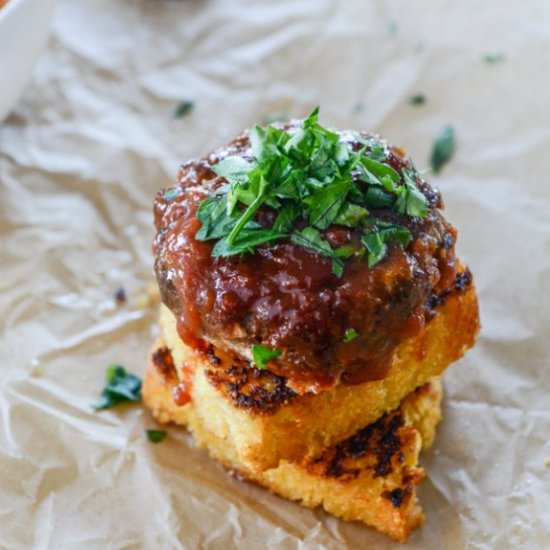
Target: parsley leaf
(120, 387)
(249, 212)
(350, 334)
(443, 149)
(351, 215)
(346, 251)
(286, 217)
(376, 247)
(183, 108)
(326, 203)
(246, 241)
(155, 436)
(417, 99)
(494, 57)
(376, 241)
(232, 168)
(311, 238)
(380, 169)
(392, 232)
(411, 200)
(337, 266)
(378, 198)
(262, 355)
(212, 213)
(377, 151)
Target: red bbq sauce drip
(182, 392)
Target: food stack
(311, 299)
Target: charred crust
(389, 447)
(449, 240)
(398, 496)
(462, 282)
(432, 195)
(259, 392)
(212, 357)
(377, 447)
(164, 363)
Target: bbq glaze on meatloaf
(287, 297)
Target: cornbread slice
(369, 477)
(254, 411)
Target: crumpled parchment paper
(94, 138)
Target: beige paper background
(93, 139)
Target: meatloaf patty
(287, 297)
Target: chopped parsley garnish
(312, 179)
(311, 238)
(183, 108)
(443, 149)
(262, 355)
(350, 334)
(417, 99)
(392, 27)
(120, 387)
(376, 241)
(494, 57)
(155, 436)
(410, 200)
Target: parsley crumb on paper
(417, 99)
(183, 108)
(443, 149)
(120, 387)
(155, 436)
